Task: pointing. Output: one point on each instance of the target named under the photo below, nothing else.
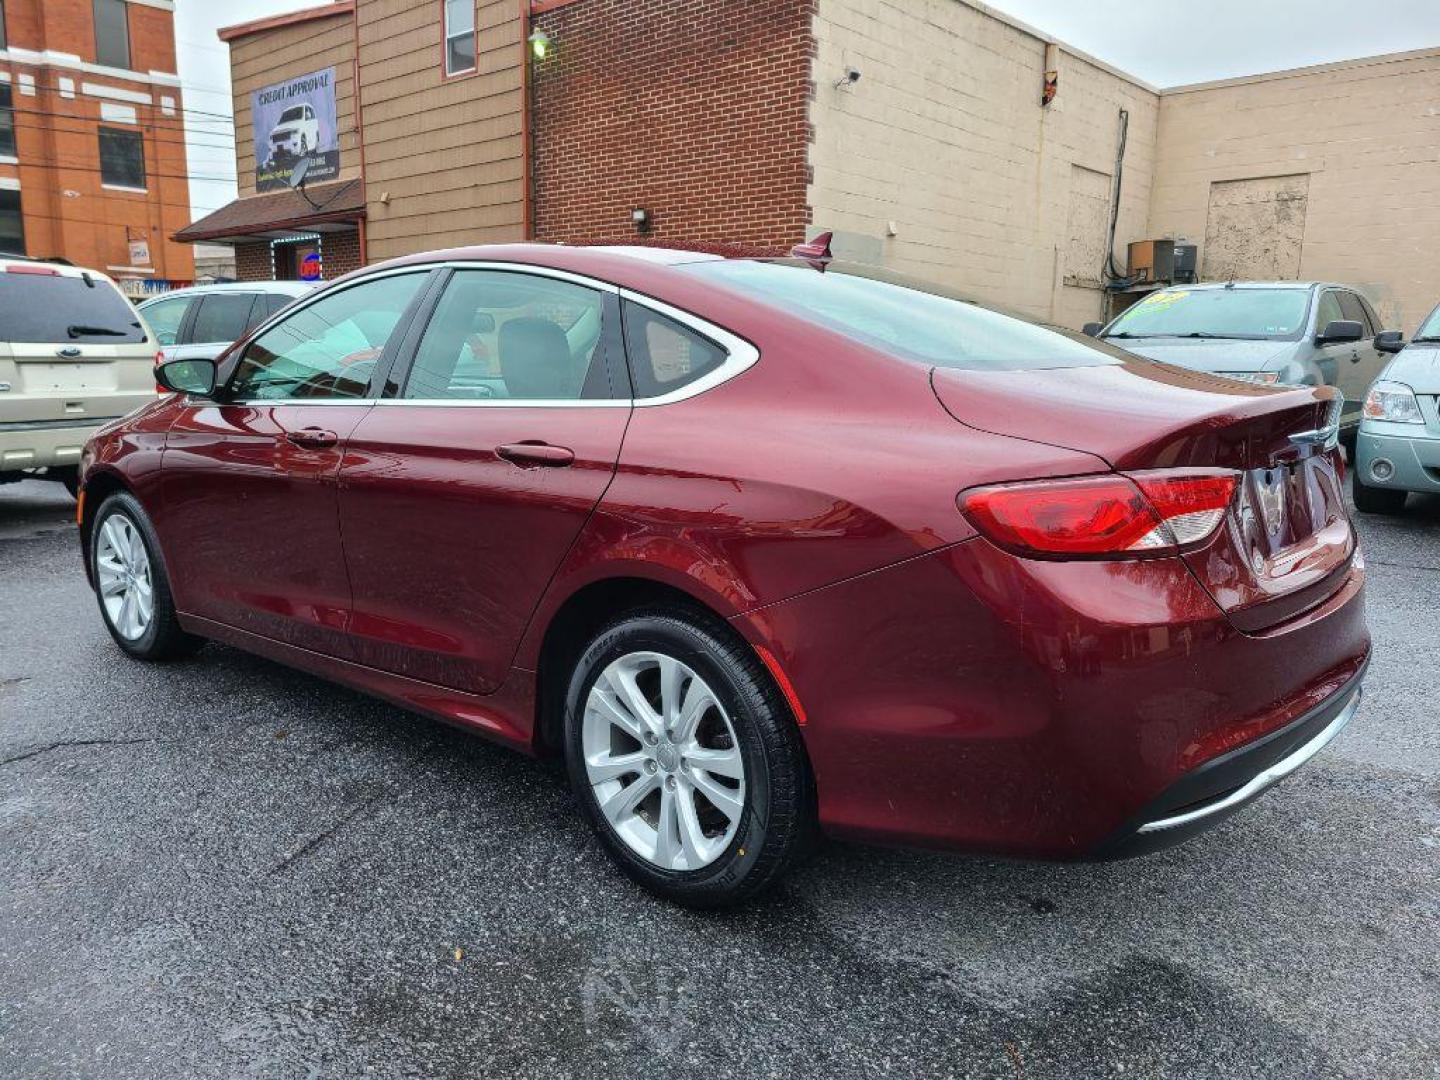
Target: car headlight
(1394, 402)
(1264, 378)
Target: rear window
(907, 318)
(1244, 314)
(53, 308)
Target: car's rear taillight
(1116, 516)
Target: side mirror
(1092, 329)
(1391, 341)
(1339, 332)
(187, 376)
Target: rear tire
(697, 716)
(1377, 500)
(132, 587)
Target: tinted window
(1238, 313)
(1328, 311)
(329, 348)
(664, 355)
(50, 308)
(12, 223)
(112, 33)
(1350, 304)
(508, 336)
(165, 317)
(222, 317)
(7, 120)
(902, 316)
(276, 302)
(122, 158)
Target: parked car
(1274, 333)
(1399, 447)
(757, 546)
(296, 133)
(74, 354)
(202, 322)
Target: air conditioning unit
(1152, 261)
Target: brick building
(92, 144)
(937, 137)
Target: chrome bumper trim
(1281, 769)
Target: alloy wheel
(122, 570)
(663, 761)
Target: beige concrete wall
(272, 56)
(1365, 137)
(944, 136)
(443, 156)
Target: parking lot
(226, 869)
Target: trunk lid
(1287, 542)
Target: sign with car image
(294, 121)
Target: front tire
(685, 759)
(1377, 500)
(131, 584)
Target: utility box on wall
(1152, 260)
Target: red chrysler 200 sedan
(759, 548)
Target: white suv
(74, 354)
(296, 133)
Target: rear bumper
(970, 699)
(40, 444)
(1224, 785)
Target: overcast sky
(1166, 43)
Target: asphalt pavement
(223, 868)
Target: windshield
(52, 308)
(904, 317)
(1430, 328)
(1257, 314)
(290, 115)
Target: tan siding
(1366, 134)
(286, 52)
(944, 136)
(445, 153)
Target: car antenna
(816, 252)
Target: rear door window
(45, 307)
(222, 317)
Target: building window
(2, 25)
(12, 225)
(459, 36)
(122, 158)
(112, 33)
(7, 121)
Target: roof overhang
(281, 215)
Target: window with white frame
(459, 36)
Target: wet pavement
(222, 868)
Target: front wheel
(131, 585)
(1377, 500)
(685, 759)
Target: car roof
(1290, 285)
(59, 269)
(283, 288)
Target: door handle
(312, 438)
(531, 454)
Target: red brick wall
(693, 109)
(253, 262)
(339, 251)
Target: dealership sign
(295, 122)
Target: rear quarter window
(40, 307)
